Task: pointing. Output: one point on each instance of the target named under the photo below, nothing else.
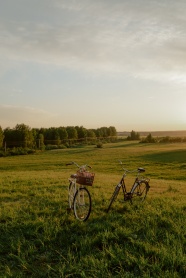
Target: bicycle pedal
(127, 196)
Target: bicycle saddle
(141, 170)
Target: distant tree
(112, 131)
(20, 136)
(81, 131)
(91, 133)
(103, 132)
(98, 132)
(42, 131)
(1, 137)
(134, 136)
(176, 139)
(62, 133)
(169, 139)
(35, 133)
(148, 139)
(38, 134)
(41, 144)
(24, 135)
(72, 132)
(51, 136)
(8, 136)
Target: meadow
(39, 238)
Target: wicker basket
(85, 178)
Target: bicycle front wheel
(140, 192)
(82, 204)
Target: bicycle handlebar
(139, 170)
(74, 163)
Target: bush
(168, 139)
(62, 146)
(148, 139)
(164, 139)
(51, 147)
(17, 151)
(99, 145)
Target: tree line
(23, 140)
(24, 136)
(150, 139)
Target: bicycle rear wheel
(82, 204)
(114, 196)
(140, 192)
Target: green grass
(38, 238)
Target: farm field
(39, 238)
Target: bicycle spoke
(140, 192)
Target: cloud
(138, 38)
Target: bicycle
(138, 191)
(79, 198)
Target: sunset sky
(93, 63)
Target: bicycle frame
(78, 195)
(127, 195)
(139, 188)
(71, 191)
(75, 186)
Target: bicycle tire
(140, 192)
(71, 194)
(82, 204)
(114, 196)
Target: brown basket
(85, 178)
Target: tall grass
(39, 238)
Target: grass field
(38, 238)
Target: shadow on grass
(178, 156)
(117, 146)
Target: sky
(93, 63)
